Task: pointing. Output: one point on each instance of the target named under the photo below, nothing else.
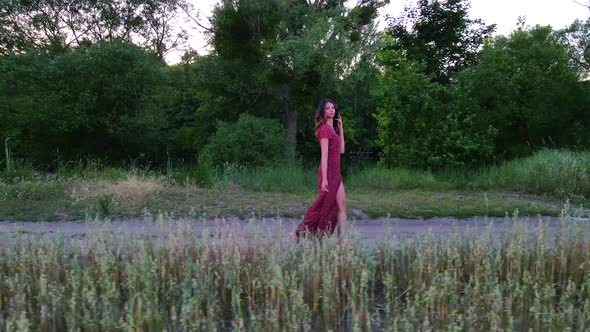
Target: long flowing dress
(321, 217)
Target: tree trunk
(291, 122)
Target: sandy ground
(370, 231)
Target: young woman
(328, 211)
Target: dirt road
(371, 231)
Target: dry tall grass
(129, 193)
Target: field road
(370, 231)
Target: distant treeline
(433, 90)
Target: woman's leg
(341, 202)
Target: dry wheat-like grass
(129, 193)
(171, 278)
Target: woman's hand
(325, 185)
(340, 123)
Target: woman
(328, 211)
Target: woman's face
(329, 110)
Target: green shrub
(250, 141)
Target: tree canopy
(435, 89)
(56, 26)
(440, 35)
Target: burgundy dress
(320, 218)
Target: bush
(251, 141)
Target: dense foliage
(434, 90)
(250, 141)
(100, 101)
(525, 86)
(423, 123)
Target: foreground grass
(182, 280)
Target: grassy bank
(77, 199)
(538, 184)
(182, 281)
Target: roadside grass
(282, 178)
(559, 173)
(173, 278)
(377, 178)
(57, 203)
(539, 184)
(460, 204)
(32, 200)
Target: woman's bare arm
(341, 141)
(341, 130)
(324, 162)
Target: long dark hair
(320, 116)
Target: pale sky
(504, 13)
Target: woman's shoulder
(326, 126)
(330, 128)
(325, 131)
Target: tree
(183, 102)
(577, 39)
(582, 4)
(101, 102)
(59, 25)
(358, 104)
(441, 36)
(526, 87)
(423, 123)
(301, 49)
(158, 33)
